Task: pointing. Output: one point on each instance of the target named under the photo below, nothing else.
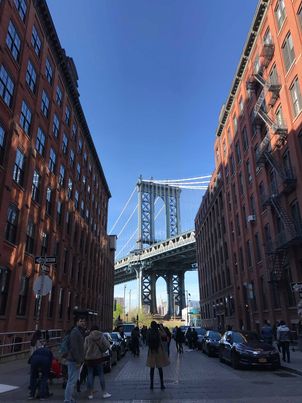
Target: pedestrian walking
(169, 337)
(135, 335)
(179, 339)
(283, 337)
(157, 356)
(75, 355)
(40, 364)
(189, 337)
(144, 334)
(36, 342)
(194, 336)
(95, 345)
(267, 332)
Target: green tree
(118, 312)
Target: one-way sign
(45, 259)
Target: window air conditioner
(251, 218)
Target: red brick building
(53, 193)
(258, 153)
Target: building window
(48, 200)
(25, 118)
(249, 253)
(235, 124)
(80, 145)
(36, 41)
(21, 7)
(44, 244)
(64, 144)
(50, 302)
(245, 139)
(267, 38)
(30, 237)
(76, 199)
(71, 158)
(61, 175)
(85, 157)
(59, 96)
(2, 144)
(13, 41)
(52, 160)
(78, 171)
(238, 152)
(280, 13)
(241, 105)
(279, 117)
(296, 216)
(44, 104)
(22, 300)
(6, 86)
(67, 116)
(295, 94)
(40, 142)
(35, 189)
(300, 15)
(31, 76)
(4, 282)
(48, 71)
(248, 172)
(74, 130)
(55, 126)
(11, 224)
(258, 250)
(232, 163)
(288, 51)
(69, 189)
(61, 302)
(18, 173)
(59, 212)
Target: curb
(292, 370)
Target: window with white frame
(288, 51)
(280, 13)
(295, 94)
(35, 189)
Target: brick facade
(53, 194)
(258, 153)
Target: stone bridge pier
(175, 282)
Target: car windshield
(201, 331)
(115, 336)
(238, 338)
(214, 335)
(128, 328)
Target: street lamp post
(188, 295)
(125, 286)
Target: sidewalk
(295, 364)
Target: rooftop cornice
(251, 38)
(71, 86)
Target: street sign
(297, 287)
(45, 259)
(42, 285)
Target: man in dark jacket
(75, 356)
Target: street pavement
(191, 377)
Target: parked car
(201, 332)
(110, 355)
(246, 349)
(127, 328)
(120, 344)
(210, 344)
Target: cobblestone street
(191, 377)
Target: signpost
(43, 284)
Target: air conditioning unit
(251, 218)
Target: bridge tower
(148, 191)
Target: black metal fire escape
(269, 90)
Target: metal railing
(12, 343)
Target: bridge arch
(160, 219)
(161, 295)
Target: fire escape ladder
(274, 165)
(278, 261)
(282, 214)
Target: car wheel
(235, 361)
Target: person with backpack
(75, 355)
(157, 356)
(95, 345)
(283, 337)
(267, 332)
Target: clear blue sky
(153, 75)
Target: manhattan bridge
(150, 258)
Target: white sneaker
(105, 395)
(90, 397)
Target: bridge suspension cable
(131, 215)
(177, 180)
(124, 208)
(199, 182)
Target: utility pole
(188, 295)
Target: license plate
(262, 360)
